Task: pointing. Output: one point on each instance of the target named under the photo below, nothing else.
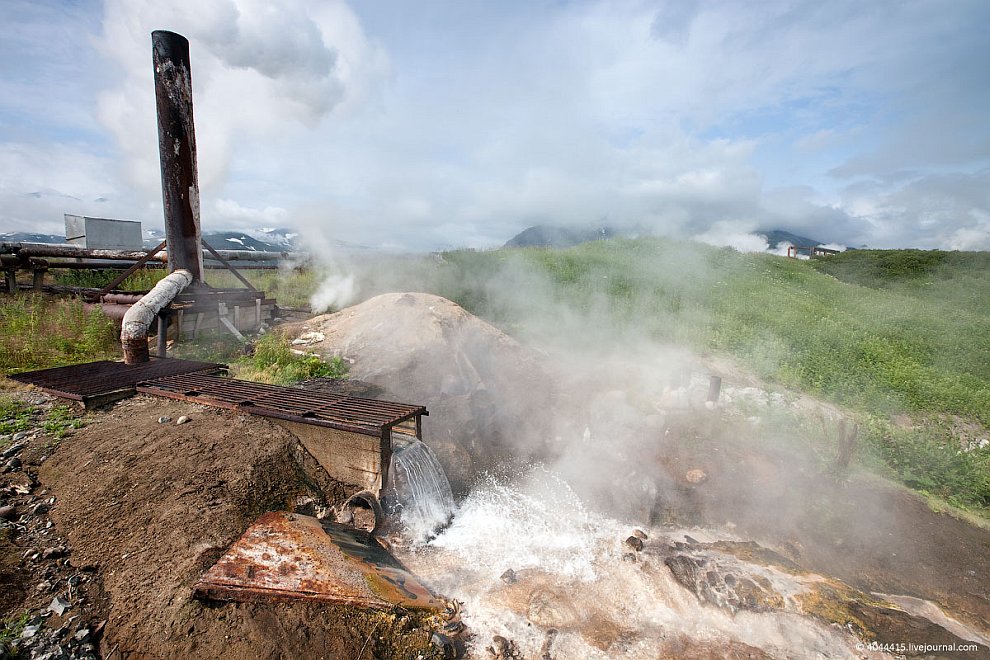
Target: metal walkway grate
(103, 380)
(347, 413)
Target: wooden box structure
(350, 437)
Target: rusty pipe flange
(369, 499)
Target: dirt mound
(486, 393)
(151, 505)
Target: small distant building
(102, 233)
(809, 250)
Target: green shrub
(273, 361)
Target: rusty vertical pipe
(177, 148)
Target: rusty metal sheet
(287, 556)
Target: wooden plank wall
(350, 458)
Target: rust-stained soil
(871, 533)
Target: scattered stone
(40, 508)
(30, 631)
(164, 419)
(640, 534)
(53, 553)
(690, 540)
(19, 436)
(13, 464)
(308, 338)
(44, 586)
(182, 420)
(82, 635)
(13, 449)
(7, 512)
(696, 476)
(635, 543)
(503, 649)
(509, 576)
(629, 557)
(59, 605)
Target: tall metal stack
(177, 148)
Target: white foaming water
(421, 489)
(570, 577)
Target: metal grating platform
(105, 381)
(347, 413)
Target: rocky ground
(105, 533)
(53, 607)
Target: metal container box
(102, 233)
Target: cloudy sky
(432, 124)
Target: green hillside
(880, 332)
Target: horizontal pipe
(117, 312)
(134, 329)
(28, 250)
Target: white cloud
(444, 124)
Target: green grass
(38, 332)
(273, 361)
(14, 416)
(11, 629)
(60, 420)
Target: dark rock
(13, 464)
(19, 436)
(306, 506)
(7, 512)
(453, 628)
(13, 449)
(727, 592)
(503, 649)
(40, 508)
(509, 576)
(690, 540)
(635, 543)
(53, 553)
(164, 419)
(547, 646)
(445, 645)
(686, 570)
(630, 557)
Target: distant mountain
(777, 236)
(256, 240)
(27, 237)
(558, 237)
